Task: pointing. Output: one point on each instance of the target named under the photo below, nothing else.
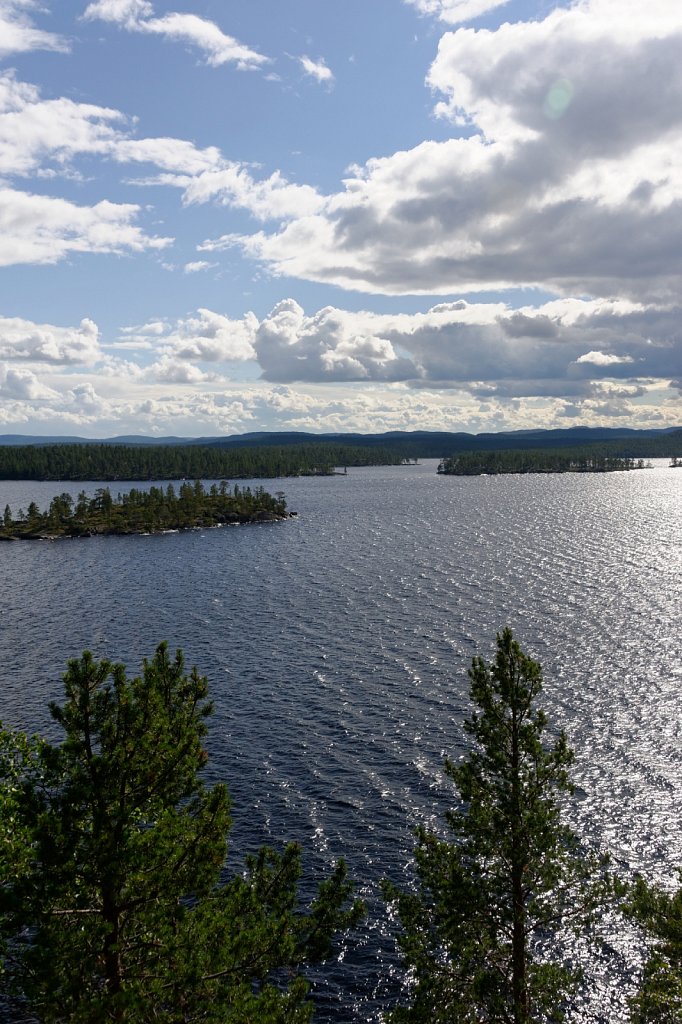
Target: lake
(337, 646)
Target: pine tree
(477, 934)
(659, 1000)
(125, 903)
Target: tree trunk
(519, 980)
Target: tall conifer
(124, 911)
(477, 935)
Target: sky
(221, 216)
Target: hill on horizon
(411, 444)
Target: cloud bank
(459, 365)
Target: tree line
(148, 511)
(106, 462)
(117, 904)
(587, 459)
(178, 462)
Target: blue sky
(218, 216)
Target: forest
(148, 511)
(117, 903)
(180, 462)
(587, 459)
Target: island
(492, 463)
(156, 510)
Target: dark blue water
(337, 646)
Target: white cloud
(121, 12)
(453, 12)
(331, 345)
(211, 337)
(274, 198)
(41, 229)
(38, 135)
(155, 328)
(175, 155)
(603, 359)
(46, 343)
(33, 131)
(217, 47)
(86, 399)
(22, 383)
(571, 181)
(170, 370)
(45, 137)
(19, 35)
(196, 266)
(316, 69)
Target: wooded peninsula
(182, 462)
(153, 511)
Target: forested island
(577, 460)
(182, 462)
(153, 511)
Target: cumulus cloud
(207, 337)
(138, 16)
(170, 370)
(22, 383)
(563, 348)
(316, 69)
(292, 346)
(46, 343)
(453, 12)
(566, 348)
(458, 365)
(570, 178)
(18, 33)
(85, 397)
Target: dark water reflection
(337, 645)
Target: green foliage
(19, 771)
(659, 1000)
(122, 887)
(477, 934)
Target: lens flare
(558, 99)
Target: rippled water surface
(337, 646)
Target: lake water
(337, 646)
